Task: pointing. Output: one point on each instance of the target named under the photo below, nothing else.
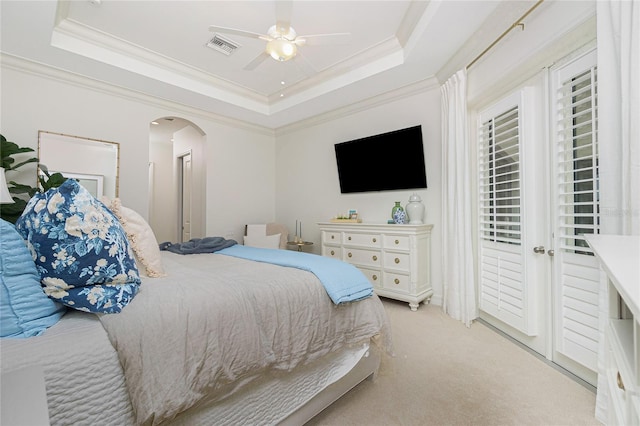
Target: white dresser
(620, 259)
(395, 258)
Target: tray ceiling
(160, 48)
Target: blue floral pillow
(80, 250)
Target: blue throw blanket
(198, 245)
(343, 281)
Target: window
(499, 158)
(578, 201)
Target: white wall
(553, 31)
(241, 177)
(163, 216)
(307, 187)
(240, 184)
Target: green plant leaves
(11, 212)
(8, 149)
(52, 181)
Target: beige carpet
(444, 373)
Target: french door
(512, 215)
(538, 197)
(576, 211)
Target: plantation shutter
(577, 213)
(578, 162)
(502, 284)
(500, 178)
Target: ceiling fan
(283, 41)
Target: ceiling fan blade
(323, 39)
(283, 15)
(256, 61)
(304, 64)
(238, 32)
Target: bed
(214, 339)
(86, 383)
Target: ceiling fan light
(281, 49)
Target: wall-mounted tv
(384, 162)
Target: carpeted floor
(444, 373)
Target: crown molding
(78, 38)
(406, 91)
(56, 74)
(89, 42)
(174, 108)
(376, 59)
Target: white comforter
(218, 322)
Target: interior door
(185, 194)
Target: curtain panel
(618, 32)
(459, 289)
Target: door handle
(551, 253)
(538, 249)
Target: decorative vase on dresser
(415, 210)
(397, 213)
(395, 258)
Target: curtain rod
(517, 23)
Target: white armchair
(264, 235)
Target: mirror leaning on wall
(94, 163)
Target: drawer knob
(620, 382)
(333, 237)
(375, 258)
(397, 260)
(350, 255)
(375, 277)
(349, 238)
(397, 281)
(333, 253)
(374, 240)
(397, 241)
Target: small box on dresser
(395, 258)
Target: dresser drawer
(400, 242)
(396, 282)
(362, 257)
(374, 276)
(331, 251)
(364, 240)
(330, 237)
(397, 261)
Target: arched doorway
(177, 196)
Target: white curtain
(459, 300)
(618, 31)
(619, 115)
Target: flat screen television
(385, 162)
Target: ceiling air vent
(222, 44)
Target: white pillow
(263, 241)
(141, 237)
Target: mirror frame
(72, 173)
